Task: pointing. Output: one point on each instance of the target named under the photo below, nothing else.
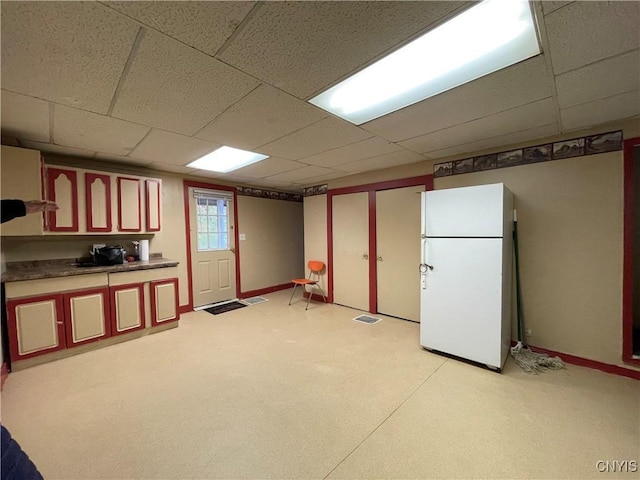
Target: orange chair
(315, 267)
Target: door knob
(365, 256)
(379, 259)
(233, 250)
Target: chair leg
(295, 285)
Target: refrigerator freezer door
(461, 307)
(465, 212)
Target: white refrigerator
(465, 281)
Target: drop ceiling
(159, 84)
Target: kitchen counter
(17, 271)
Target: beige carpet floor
(272, 391)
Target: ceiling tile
(325, 178)
(268, 166)
(57, 149)
(542, 112)
(601, 111)
(301, 174)
(90, 131)
(203, 25)
(529, 136)
(383, 161)
(303, 47)
(67, 52)
(25, 117)
(350, 153)
(323, 135)
(574, 90)
(261, 117)
(287, 186)
(165, 167)
(519, 84)
(167, 147)
(176, 88)
(585, 32)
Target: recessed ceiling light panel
(226, 159)
(483, 39)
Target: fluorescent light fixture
(483, 39)
(226, 159)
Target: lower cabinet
(86, 314)
(127, 308)
(35, 325)
(49, 321)
(164, 301)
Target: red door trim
(88, 181)
(52, 174)
(154, 310)
(105, 310)
(121, 207)
(628, 253)
(187, 223)
(114, 310)
(371, 188)
(13, 330)
(148, 210)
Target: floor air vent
(254, 300)
(367, 319)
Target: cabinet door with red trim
(129, 204)
(153, 205)
(35, 325)
(127, 308)
(98, 202)
(87, 315)
(164, 301)
(62, 188)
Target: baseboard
(4, 373)
(586, 362)
(184, 309)
(319, 298)
(263, 291)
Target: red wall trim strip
(585, 362)
(263, 291)
(4, 373)
(628, 253)
(187, 223)
(371, 188)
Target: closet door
(398, 252)
(350, 227)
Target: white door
(461, 306)
(350, 225)
(398, 252)
(213, 261)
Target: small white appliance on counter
(466, 245)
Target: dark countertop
(17, 271)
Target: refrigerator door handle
(424, 266)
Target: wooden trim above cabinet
(89, 179)
(52, 176)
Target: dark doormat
(227, 307)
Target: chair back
(315, 266)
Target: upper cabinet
(21, 178)
(62, 188)
(92, 202)
(98, 202)
(129, 204)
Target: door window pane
(213, 224)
